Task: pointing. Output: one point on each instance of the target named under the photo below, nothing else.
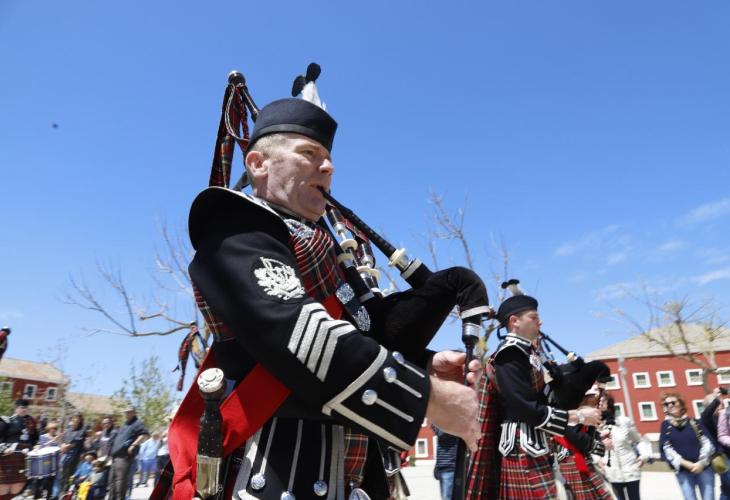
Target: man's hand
(696, 468)
(608, 443)
(130, 450)
(449, 365)
(453, 408)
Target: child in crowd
(83, 471)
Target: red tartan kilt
(589, 486)
(12, 468)
(483, 480)
(526, 477)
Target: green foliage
(6, 400)
(146, 390)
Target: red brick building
(425, 447)
(40, 383)
(643, 371)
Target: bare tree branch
(449, 227)
(170, 269)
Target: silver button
(258, 482)
(398, 357)
(369, 397)
(320, 488)
(389, 374)
(288, 495)
(358, 494)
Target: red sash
(251, 404)
(580, 459)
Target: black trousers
(120, 477)
(46, 484)
(627, 491)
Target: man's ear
(255, 163)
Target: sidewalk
(654, 485)
(142, 493)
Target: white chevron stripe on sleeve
(335, 333)
(314, 338)
(304, 314)
(315, 327)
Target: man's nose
(327, 167)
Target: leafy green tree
(6, 400)
(148, 393)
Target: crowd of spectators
(99, 461)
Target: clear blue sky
(592, 137)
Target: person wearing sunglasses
(685, 446)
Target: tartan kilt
(527, 477)
(590, 486)
(13, 468)
(483, 474)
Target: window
(613, 383)
(29, 391)
(698, 405)
(641, 380)
(421, 448)
(694, 377)
(665, 379)
(723, 375)
(6, 386)
(51, 394)
(647, 410)
(618, 409)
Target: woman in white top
(621, 464)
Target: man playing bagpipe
(315, 392)
(18, 435)
(517, 420)
(19, 431)
(574, 452)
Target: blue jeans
(147, 468)
(725, 486)
(446, 480)
(705, 481)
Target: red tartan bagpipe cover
(484, 469)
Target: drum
(42, 462)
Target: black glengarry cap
(295, 116)
(515, 305)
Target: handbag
(718, 461)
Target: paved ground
(654, 485)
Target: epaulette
(216, 201)
(512, 341)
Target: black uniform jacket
(17, 429)
(524, 403)
(246, 272)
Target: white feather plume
(309, 93)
